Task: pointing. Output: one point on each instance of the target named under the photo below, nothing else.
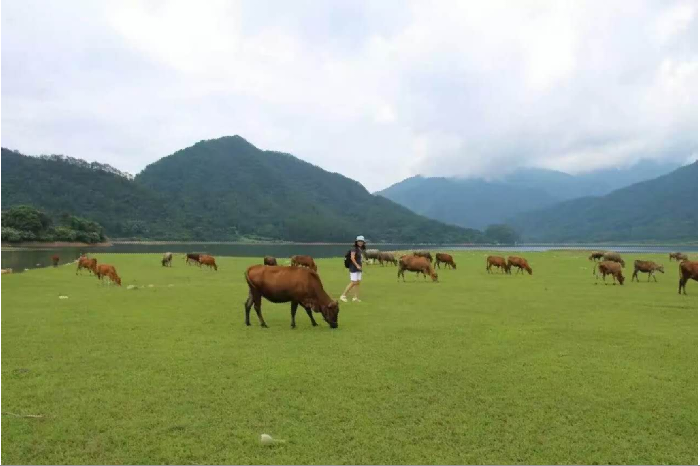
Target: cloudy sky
(376, 90)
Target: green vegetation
(502, 234)
(217, 190)
(663, 209)
(25, 223)
(478, 368)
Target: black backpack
(347, 259)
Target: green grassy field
(477, 368)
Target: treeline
(26, 223)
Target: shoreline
(52, 245)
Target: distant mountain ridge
(215, 190)
(477, 203)
(661, 209)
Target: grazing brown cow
(304, 261)
(418, 265)
(55, 259)
(614, 257)
(520, 263)
(425, 254)
(289, 284)
(611, 268)
(269, 260)
(105, 270)
(192, 257)
(498, 262)
(387, 257)
(596, 255)
(442, 258)
(679, 256)
(207, 260)
(167, 260)
(646, 267)
(687, 270)
(86, 263)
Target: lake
(21, 259)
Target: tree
(502, 234)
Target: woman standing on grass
(355, 266)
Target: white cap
(360, 238)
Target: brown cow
(520, 263)
(687, 270)
(498, 262)
(614, 257)
(679, 256)
(297, 285)
(55, 259)
(105, 270)
(387, 257)
(304, 261)
(447, 259)
(86, 263)
(418, 265)
(425, 254)
(646, 267)
(192, 257)
(611, 268)
(207, 260)
(269, 260)
(596, 255)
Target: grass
(477, 368)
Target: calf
(611, 268)
(646, 267)
(55, 259)
(304, 261)
(520, 263)
(614, 257)
(596, 255)
(289, 284)
(498, 262)
(86, 263)
(442, 258)
(209, 261)
(687, 270)
(416, 264)
(269, 260)
(679, 256)
(167, 260)
(105, 270)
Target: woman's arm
(352, 258)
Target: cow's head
(622, 262)
(117, 280)
(433, 275)
(330, 313)
(529, 269)
(621, 279)
(660, 268)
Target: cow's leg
(653, 275)
(294, 313)
(248, 304)
(258, 304)
(311, 316)
(634, 275)
(681, 284)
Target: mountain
(221, 189)
(474, 202)
(477, 203)
(662, 209)
(68, 186)
(230, 188)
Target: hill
(63, 185)
(477, 203)
(662, 209)
(230, 188)
(217, 190)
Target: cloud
(375, 90)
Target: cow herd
(300, 284)
(611, 263)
